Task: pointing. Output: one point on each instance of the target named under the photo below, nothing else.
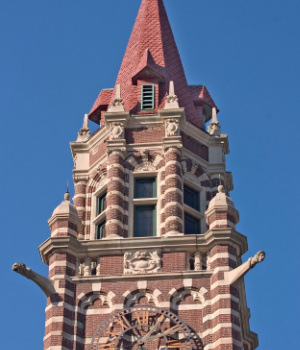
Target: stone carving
(145, 155)
(101, 170)
(116, 131)
(44, 283)
(214, 127)
(173, 147)
(172, 127)
(95, 150)
(236, 274)
(82, 178)
(146, 166)
(171, 100)
(75, 160)
(144, 261)
(117, 104)
(258, 257)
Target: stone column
(115, 195)
(115, 120)
(79, 200)
(173, 117)
(173, 209)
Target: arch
(178, 295)
(98, 179)
(195, 172)
(134, 297)
(88, 299)
(145, 160)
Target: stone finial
(117, 104)
(64, 212)
(171, 100)
(84, 133)
(214, 127)
(221, 212)
(65, 207)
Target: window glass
(144, 221)
(191, 225)
(191, 197)
(145, 188)
(101, 203)
(100, 230)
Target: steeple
(152, 49)
(152, 57)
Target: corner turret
(64, 220)
(221, 212)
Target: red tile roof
(152, 50)
(101, 103)
(201, 95)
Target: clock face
(142, 328)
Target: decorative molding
(145, 155)
(78, 178)
(142, 261)
(172, 127)
(145, 166)
(172, 147)
(116, 130)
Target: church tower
(148, 255)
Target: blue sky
(55, 58)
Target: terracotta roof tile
(101, 103)
(152, 45)
(200, 94)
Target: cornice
(197, 133)
(221, 139)
(139, 121)
(188, 243)
(227, 236)
(148, 276)
(82, 147)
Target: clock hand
(151, 330)
(169, 331)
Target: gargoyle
(234, 275)
(44, 283)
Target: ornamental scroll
(144, 261)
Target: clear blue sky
(55, 58)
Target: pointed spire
(84, 132)
(172, 100)
(214, 127)
(67, 194)
(152, 46)
(117, 103)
